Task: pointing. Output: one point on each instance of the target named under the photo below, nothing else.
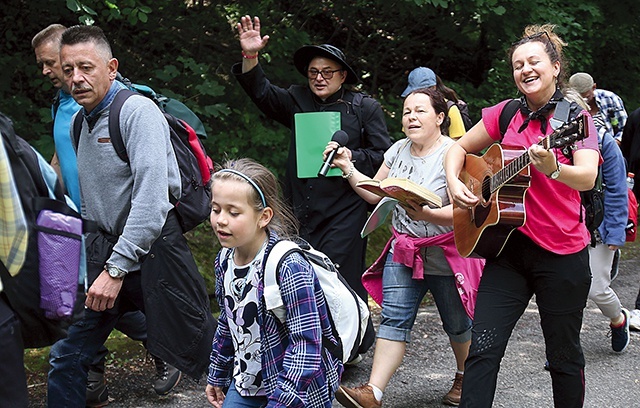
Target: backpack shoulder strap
(55, 104)
(508, 112)
(272, 295)
(114, 123)
(77, 128)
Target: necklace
(428, 151)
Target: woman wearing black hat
(331, 214)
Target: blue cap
(421, 77)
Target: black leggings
(561, 285)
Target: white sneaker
(634, 320)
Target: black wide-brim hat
(304, 55)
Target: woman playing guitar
(546, 253)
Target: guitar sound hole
(486, 190)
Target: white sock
(377, 392)
(460, 372)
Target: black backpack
(464, 112)
(196, 167)
(23, 290)
(592, 200)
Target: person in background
(610, 236)
(261, 361)
(139, 258)
(601, 100)
(14, 234)
(423, 77)
(547, 256)
(422, 235)
(46, 46)
(331, 214)
(630, 147)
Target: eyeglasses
(326, 73)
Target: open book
(402, 190)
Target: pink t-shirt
(553, 209)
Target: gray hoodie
(130, 201)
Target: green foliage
(185, 49)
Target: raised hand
(250, 39)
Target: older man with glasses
(331, 214)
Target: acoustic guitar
(500, 179)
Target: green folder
(313, 131)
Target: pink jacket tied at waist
(467, 271)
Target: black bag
(196, 168)
(464, 112)
(23, 290)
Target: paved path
(613, 380)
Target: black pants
(13, 380)
(561, 285)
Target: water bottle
(630, 177)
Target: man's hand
(103, 293)
(250, 39)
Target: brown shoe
(453, 396)
(359, 397)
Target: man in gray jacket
(138, 259)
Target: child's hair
(448, 93)
(265, 192)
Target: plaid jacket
(297, 370)
(612, 108)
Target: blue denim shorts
(402, 296)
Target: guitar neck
(509, 171)
(563, 136)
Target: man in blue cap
(331, 214)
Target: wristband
(349, 174)
(247, 56)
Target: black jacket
(323, 201)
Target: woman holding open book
(420, 256)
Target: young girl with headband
(263, 362)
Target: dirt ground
(613, 380)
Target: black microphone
(341, 138)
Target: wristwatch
(556, 173)
(116, 272)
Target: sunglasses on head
(537, 37)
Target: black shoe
(97, 393)
(620, 334)
(167, 377)
(546, 365)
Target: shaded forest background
(185, 49)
